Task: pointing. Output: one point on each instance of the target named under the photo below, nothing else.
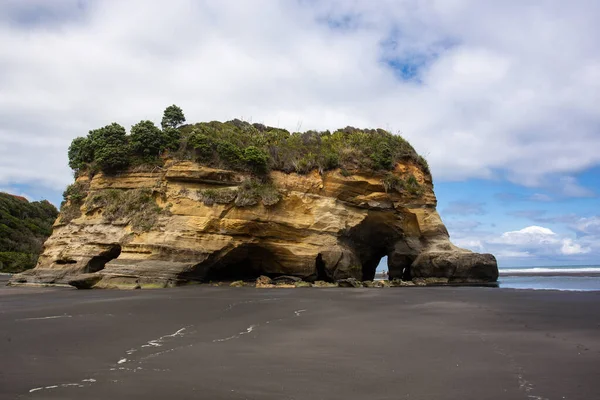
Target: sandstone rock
(456, 266)
(237, 284)
(283, 285)
(263, 280)
(349, 282)
(323, 284)
(302, 284)
(400, 283)
(325, 227)
(85, 281)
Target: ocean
(570, 278)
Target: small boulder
(349, 282)
(263, 280)
(400, 283)
(237, 284)
(323, 284)
(302, 284)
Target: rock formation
(202, 225)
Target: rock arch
(382, 234)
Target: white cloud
(530, 242)
(568, 248)
(530, 235)
(486, 98)
(588, 225)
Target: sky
(501, 97)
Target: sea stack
(189, 221)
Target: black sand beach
(245, 343)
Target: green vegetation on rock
(172, 117)
(146, 140)
(218, 196)
(135, 206)
(24, 226)
(73, 198)
(409, 185)
(110, 150)
(239, 145)
(249, 193)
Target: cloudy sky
(501, 97)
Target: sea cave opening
(98, 262)
(245, 263)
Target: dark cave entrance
(245, 263)
(322, 274)
(98, 262)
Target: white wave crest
(541, 270)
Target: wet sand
(245, 343)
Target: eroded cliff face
(326, 226)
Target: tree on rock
(147, 140)
(81, 153)
(172, 117)
(111, 149)
(256, 159)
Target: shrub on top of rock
(172, 117)
(256, 159)
(111, 150)
(242, 146)
(146, 140)
(81, 153)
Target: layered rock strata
(322, 226)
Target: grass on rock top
(239, 145)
